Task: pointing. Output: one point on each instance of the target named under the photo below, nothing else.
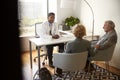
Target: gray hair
(111, 23)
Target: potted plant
(71, 21)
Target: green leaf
(71, 21)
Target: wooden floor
(28, 73)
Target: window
(31, 12)
(53, 7)
(34, 11)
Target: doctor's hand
(55, 36)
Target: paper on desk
(67, 35)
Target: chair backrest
(104, 55)
(38, 28)
(70, 62)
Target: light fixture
(93, 18)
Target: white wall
(103, 10)
(63, 12)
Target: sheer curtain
(31, 12)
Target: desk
(42, 42)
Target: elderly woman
(79, 44)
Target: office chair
(104, 55)
(44, 54)
(70, 62)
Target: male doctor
(49, 29)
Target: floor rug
(99, 74)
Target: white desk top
(46, 41)
(88, 37)
(68, 36)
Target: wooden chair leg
(89, 67)
(107, 67)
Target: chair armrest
(105, 54)
(59, 59)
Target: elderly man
(108, 39)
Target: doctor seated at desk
(49, 29)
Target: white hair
(111, 23)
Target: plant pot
(66, 28)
